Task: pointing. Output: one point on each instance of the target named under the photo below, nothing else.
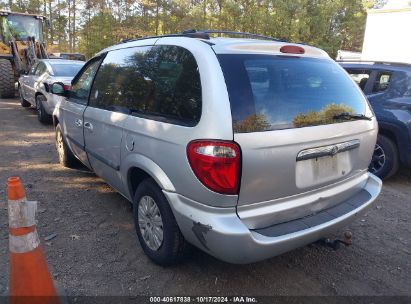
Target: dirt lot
(96, 251)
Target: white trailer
(387, 34)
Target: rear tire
(42, 115)
(66, 157)
(6, 79)
(385, 160)
(24, 103)
(157, 222)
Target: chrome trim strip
(330, 150)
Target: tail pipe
(336, 244)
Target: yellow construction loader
(21, 44)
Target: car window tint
(41, 69)
(269, 92)
(360, 77)
(81, 87)
(122, 80)
(66, 70)
(381, 82)
(33, 69)
(159, 82)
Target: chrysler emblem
(330, 150)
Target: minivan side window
(381, 82)
(159, 82)
(81, 86)
(122, 81)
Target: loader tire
(6, 79)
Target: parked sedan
(34, 87)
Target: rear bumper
(221, 233)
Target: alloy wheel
(378, 159)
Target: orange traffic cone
(30, 280)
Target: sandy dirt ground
(96, 251)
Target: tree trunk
(157, 21)
(59, 18)
(205, 13)
(70, 33)
(74, 27)
(51, 22)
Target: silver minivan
(244, 148)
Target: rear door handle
(78, 122)
(88, 125)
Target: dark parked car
(388, 89)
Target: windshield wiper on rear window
(349, 116)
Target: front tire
(6, 79)
(385, 160)
(42, 115)
(66, 157)
(156, 227)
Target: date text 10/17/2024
(205, 299)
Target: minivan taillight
(216, 164)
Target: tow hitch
(335, 244)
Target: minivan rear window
(269, 92)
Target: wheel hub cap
(378, 159)
(150, 222)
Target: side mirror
(59, 88)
